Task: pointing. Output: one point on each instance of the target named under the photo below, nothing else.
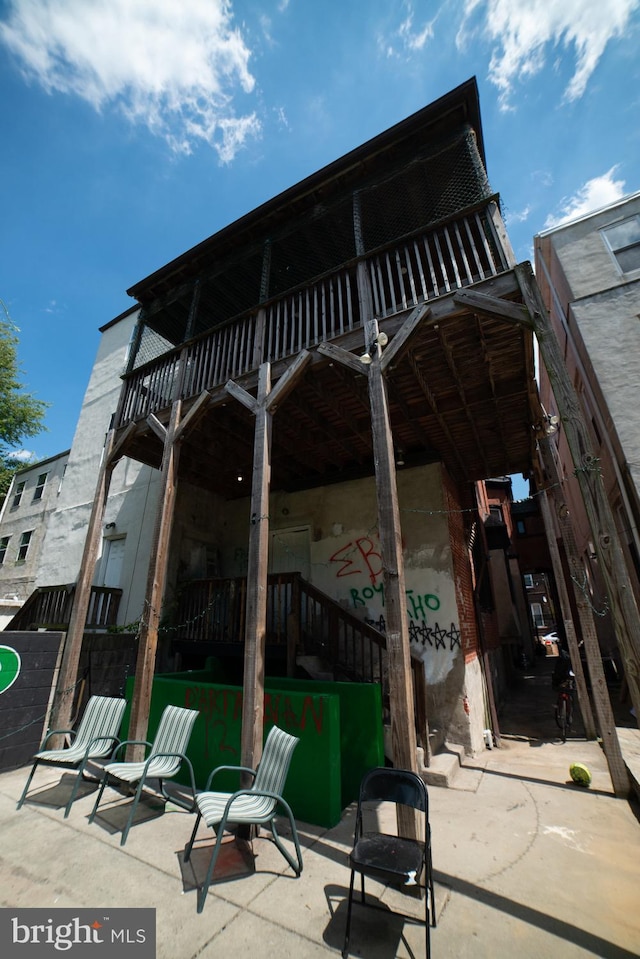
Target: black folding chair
(389, 858)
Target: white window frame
(38, 492)
(614, 250)
(17, 496)
(537, 614)
(4, 546)
(25, 543)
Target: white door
(112, 559)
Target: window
(496, 513)
(528, 580)
(17, 496)
(623, 240)
(521, 527)
(23, 549)
(537, 614)
(39, 490)
(4, 543)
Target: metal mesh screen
(150, 347)
(311, 245)
(431, 187)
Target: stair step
(444, 766)
(315, 667)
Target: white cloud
(175, 67)
(524, 33)
(594, 194)
(519, 216)
(407, 38)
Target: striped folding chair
(166, 757)
(256, 805)
(95, 738)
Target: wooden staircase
(309, 630)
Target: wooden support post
(600, 693)
(401, 702)
(263, 407)
(156, 579)
(563, 595)
(403, 728)
(253, 684)
(624, 609)
(68, 675)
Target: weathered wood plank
(156, 579)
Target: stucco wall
(342, 558)
(345, 561)
(133, 493)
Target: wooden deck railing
(49, 607)
(300, 616)
(452, 255)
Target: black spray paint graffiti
(421, 634)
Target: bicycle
(564, 705)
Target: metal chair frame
(389, 858)
(95, 738)
(256, 805)
(168, 753)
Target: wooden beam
(288, 381)
(158, 428)
(400, 342)
(241, 395)
(587, 621)
(117, 449)
(68, 675)
(477, 302)
(156, 580)
(622, 602)
(401, 694)
(338, 355)
(255, 635)
(193, 417)
(401, 706)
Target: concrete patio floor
(526, 863)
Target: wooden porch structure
(311, 340)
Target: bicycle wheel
(562, 719)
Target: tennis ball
(580, 774)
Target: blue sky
(133, 129)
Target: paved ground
(527, 864)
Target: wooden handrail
(49, 607)
(305, 620)
(416, 268)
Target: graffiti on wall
(361, 558)
(425, 635)
(221, 709)
(358, 557)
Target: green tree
(21, 414)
